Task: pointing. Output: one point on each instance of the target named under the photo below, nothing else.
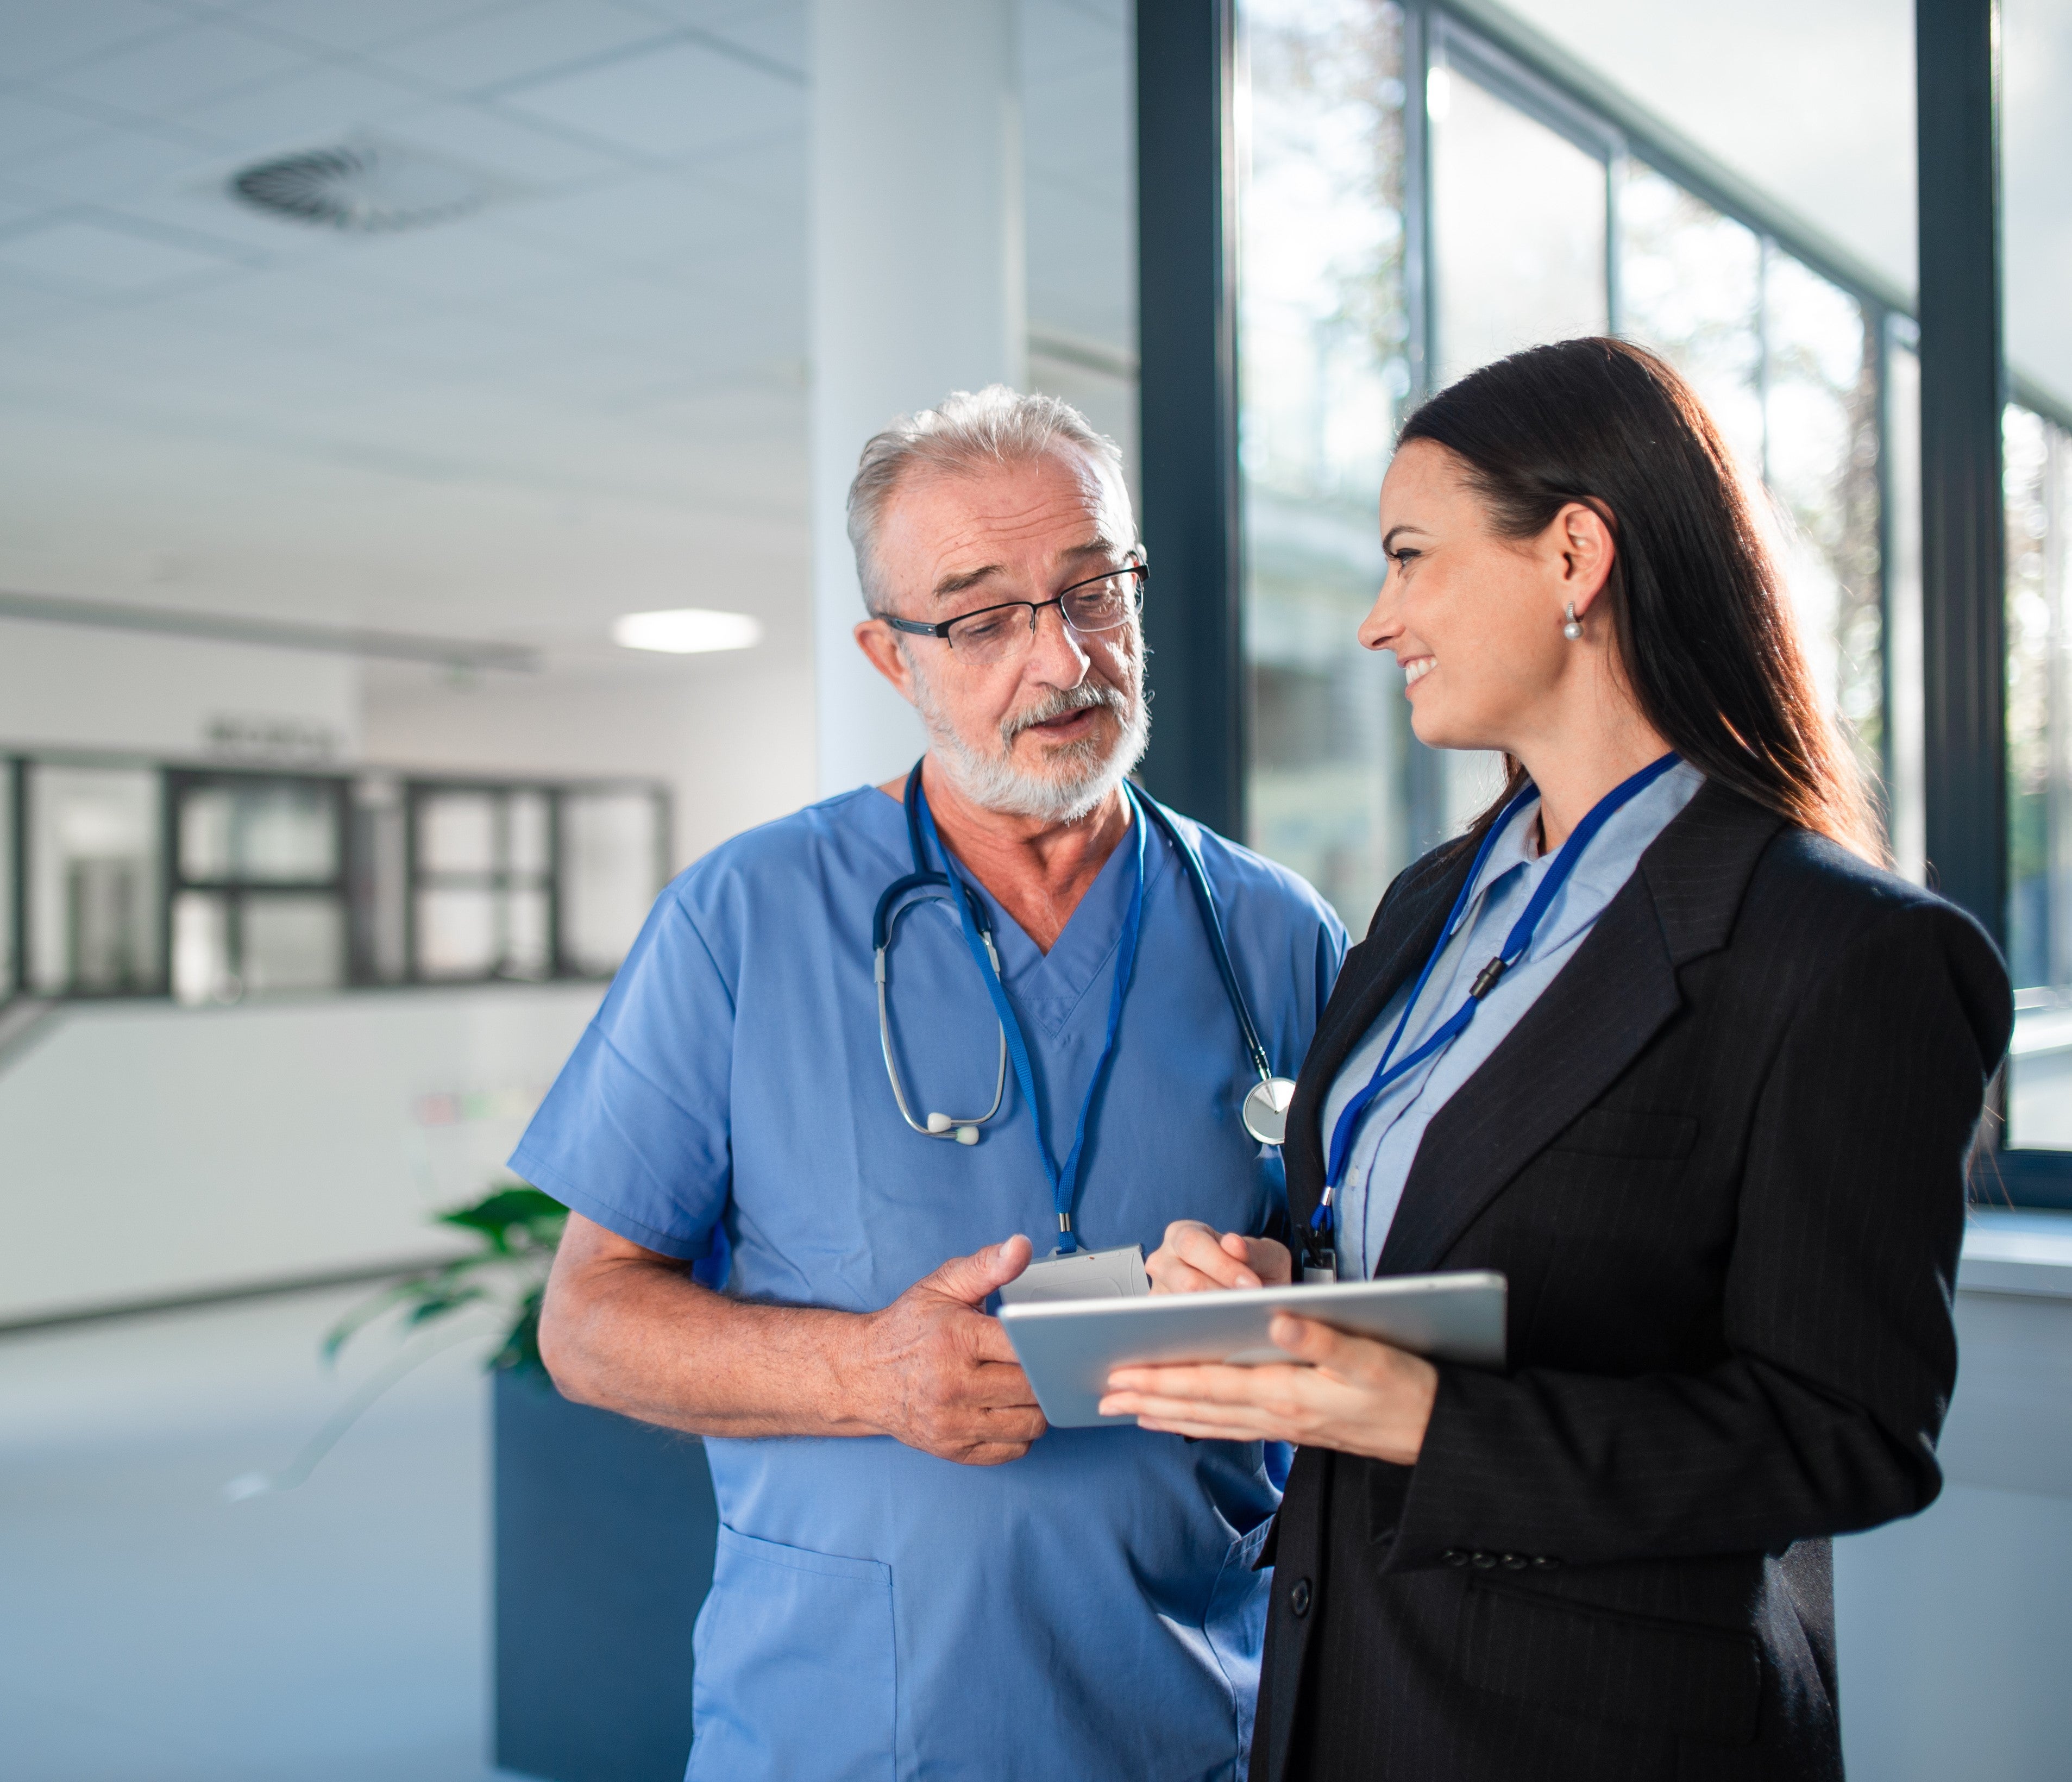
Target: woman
(1707, 1108)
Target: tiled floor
(154, 1630)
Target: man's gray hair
(971, 430)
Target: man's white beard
(1082, 774)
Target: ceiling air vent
(369, 189)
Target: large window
(212, 885)
(1420, 199)
(1417, 204)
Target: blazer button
(1482, 1561)
(1515, 1562)
(1545, 1562)
(1455, 1556)
(1298, 1596)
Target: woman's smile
(1415, 668)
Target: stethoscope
(1266, 1109)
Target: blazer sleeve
(1842, 1352)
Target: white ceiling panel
(522, 42)
(31, 125)
(513, 148)
(779, 31)
(44, 35)
(462, 261)
(114, 165)
(670, 106)
(101, 256)
(646, 221)
(363, 24)
(158, 75)
(307, 110)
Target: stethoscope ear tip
(967, 1134)
(940, 1123)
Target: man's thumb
(972, 1278)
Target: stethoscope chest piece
(1266, 1112)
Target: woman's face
(1475, 620)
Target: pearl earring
(1573, 629)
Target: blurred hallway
(155, 1630)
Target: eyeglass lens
(1096, 606)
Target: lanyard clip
(1485, 978)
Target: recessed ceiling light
(369, 188)
(687, 631)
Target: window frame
(177, 779)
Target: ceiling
(586, 396)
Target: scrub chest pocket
(795, 1673)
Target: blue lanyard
(1063, 1180)
(1515, 947)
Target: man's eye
(978, 631)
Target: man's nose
(1057, 653)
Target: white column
(918, 289)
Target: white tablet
(1069, 1347)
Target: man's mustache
(1063, 701)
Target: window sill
(2007, 1250)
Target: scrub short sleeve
(635, 1133)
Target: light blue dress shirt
(1386, 1140)
(1091, 1609)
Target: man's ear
(1584, 537)
(878, 641)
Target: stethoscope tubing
(885, 922)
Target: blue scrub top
(1090, 1609)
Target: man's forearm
(642, 1338)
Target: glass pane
(1820, 461)
(527, 951)
(291, 943)
(201, 970)
(2039, 720)
(280, 832)
(2036, 150)
(610, 849)
(9, 981)
(93, 892)
(527, 815)
(1517, 224)
(1691, 287)
(457, 932)
(380, 896)
(457, 832)
(1323, 341)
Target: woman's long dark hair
(1705, 634)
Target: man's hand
(1195, 1258)
(939, 1375)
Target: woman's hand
(1194, 1257)
(1347, 1392)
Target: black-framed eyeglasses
(1101, 602)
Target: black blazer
(1721, 1161)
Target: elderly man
(914, 1577)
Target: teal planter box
(604, 1539)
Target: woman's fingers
(1194, 1259)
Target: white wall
(732, 734)
(1955, 1629)
(151, 1150)
(79, 686)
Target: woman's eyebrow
(1389, 537)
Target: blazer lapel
(1588, 1026)
(1406, 927)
